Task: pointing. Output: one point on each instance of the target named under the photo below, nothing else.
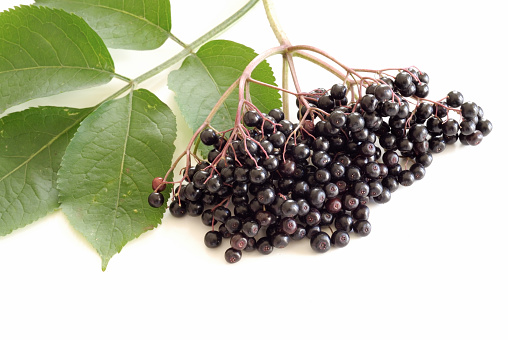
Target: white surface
(434, 266)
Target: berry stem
(274, 23)
(285, 84)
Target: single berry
(209, 137)
(320, 242)
(156, 199)
(177, 209)
(340, 238)
(454, 99)
(213, 239)
(232, 255)
(158, 182)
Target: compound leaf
(108, 168)
(32, 143)
(46, 51)
(206, 75)
(136, 25)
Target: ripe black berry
(156, 199)
(213, 239)
(320, 242)
(232, 255)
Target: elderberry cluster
(316, 178)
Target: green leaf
(135, 25)
(108, 168)
(32, 143)
(205, 76)
(47, 51)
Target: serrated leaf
(205, 76)
(108, 168)
(46, 51)
(136, 25)
(32, 143)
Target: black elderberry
(418, 171)
(264, 246)
(355, 121)
(321, 159)
(454, 99)
(177, 209)
(422, 90)
(288, 225)
(276, 114)
(384, 197)
(289, 208)
(403, 80)
(233, 224)
(320, 242)
(339, 238)
(252, 119)
(207, 217)
(406, 178)
(195, 208)
(279, 239)
(484, 126)
(362, 227)
(475, 138)
(369, 103)
(467, 127)
(238, 241)
(299, 234)
(266, 195)
(209, 136)
(383, 92)
(156, 199)
(437, 144)
(232, 255)
(450, 127)
(338, 91)
(213, 239)
(250, 228)
(337, 118)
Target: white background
(434, 266)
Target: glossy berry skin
(263, 246)
(279, 240)
(250, 228)
(158, 182)
(238, 241)
(467, 127)
(232, 255)
(484, 126)
(362, 228)
(266, 195)
(422, 90)
(337, 118)
(450, 127)
(177, 209)
(276, 114)
(338, 91)
(454, 99)
(156, 199)
(340, 238)
(289, 208)
(403, 80)
(406, 178)
(252, 119)
(475, 138)
(418, 171)
(213, 239)
(320, 242)
(369, 103)
(209, 137)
